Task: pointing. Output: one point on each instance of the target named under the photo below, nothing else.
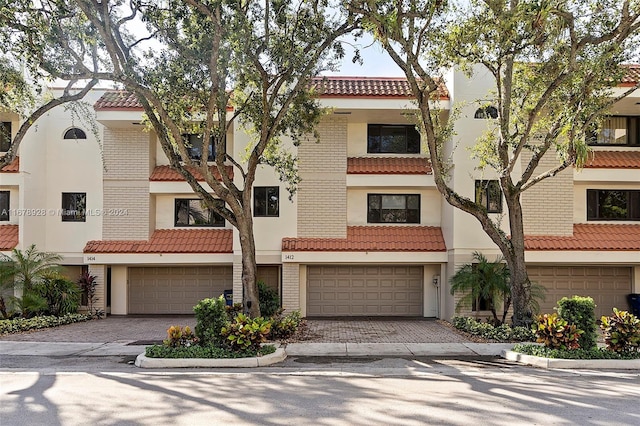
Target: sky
(376, 62)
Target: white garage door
(608, 286)
(364, 291)
(175, 290)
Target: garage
(175, 290)
(608, 286)
(364, 291)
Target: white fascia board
(157, 258)
(363, 257)
(159, 187)
(378, 103)
(580, 257)
(120, 117)
(606, 175)
(11, 179)
(384, 180)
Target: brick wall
(322, 194)
(126, 185)
(291, 286)
(548, 205)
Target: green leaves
(556, 333)
(621, 332)
(245, 333)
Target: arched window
(75, 133)
(486, 112)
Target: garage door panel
(370, 290)
(175, 290)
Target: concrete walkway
(128, 336)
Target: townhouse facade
(366, 234)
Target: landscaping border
(143, 361)
(595, 364)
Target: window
(606, 204)
(75, 133)
(393, 208)
(5, 136)
(194, 147)
(266, 201)
(4, 206)
(617, 131)
(481, 304)
(74, 206)
(486, 112)
(393, 139)
(489, 195)
(194, 212)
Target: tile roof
(117, 99)
(378, 87)
(613, 160)
(167, 174)
(632, 75)
(590, 237)
(374, 238)
(12, 167)
(170, 241)
(8, 237)
(388, 165)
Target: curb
(594, 364)
(143, 361)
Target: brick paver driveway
(146, 329)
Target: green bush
(210, 351)
(501, 333)
(211, 317)
(180, 337)
(246, 333)
(284, 326)
(269, 300)
(18, 325)
(62, 295)
(581, 312)
(554, 332)
(621, 332)
(593, 353)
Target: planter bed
(143, 361)
(536, 361)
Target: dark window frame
(412, 142)
(74, 133)
(378, 215)
(481, 188)
(5, 136)
(194, 146)
(5, 206)
(214, 220)
(632, 128)
(261, 205)
(71, 212)
(597, 210)
(486, 113)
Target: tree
(552, 64)
(213, 64)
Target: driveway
(147, 329)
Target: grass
(197, 351)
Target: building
(367, 233)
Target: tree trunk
(250, 300)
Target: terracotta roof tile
(170, 241)
(613, 160)
(388, 165)
(12, 167)
(590, 237)
(8, 237)
(118, 99)
(167, 174)
(632, 75)
(385, 87)
(374, 238)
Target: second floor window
(194, 212)
(5, 136)
(4, 205)
(393, 208)
(618, 131)
(489, 195)
(392, 139)
(607, 204)
(266, 201)
(194, 147)
(74, 206)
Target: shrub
(269, 300)
(502, 333)
(211, 316)
(246, 333)
(284, 326)
(210, 351)
(581, 312)
(233, 310)
(18, 325)
(180, 337)
(89, 285)
(621, 332)
(593, 353)
(554, 332)
(62, 295)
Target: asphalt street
(320, 391)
